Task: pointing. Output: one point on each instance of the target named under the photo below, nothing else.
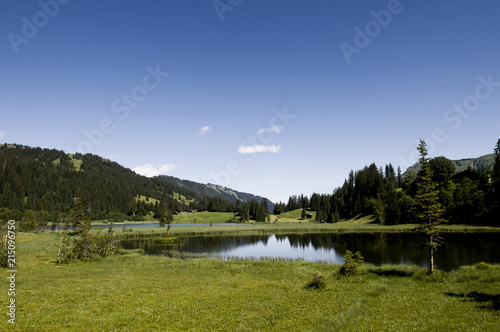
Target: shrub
(352, 264)
(318, 281)
(86, 245)
(482, 266)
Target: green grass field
(203, 217)
(182, 198)
(283, 228)
(293, 216)
(133, 292)
(142, 198)
(77, 163)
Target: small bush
(318, 281)
(86, 245)
(352, 264)
(482, 266)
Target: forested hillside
(212, 190)
(468, 195)
(41, 184)
(46, 180)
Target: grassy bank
(202, 217)
(288, 222)
(285, 228)
(135, 292)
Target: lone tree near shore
(166, 217)
(79, 221)
(428, 207)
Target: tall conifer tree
(428, 207)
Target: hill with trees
(468, 195)
(39, 186)
(213, 190)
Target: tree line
(469, 197)
(38, 187)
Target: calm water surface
(158, 225)
(377, 248)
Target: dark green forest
(35, 179)
(212, 190)
(38, 186)
(470, 196)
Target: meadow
(202, 217)
(131, 291)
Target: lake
(377, 248)
(158, 225)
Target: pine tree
(390, 177)
(428, 207)
(78, 220)
(166, 216)
(495, 180)
(399, 177)
(379, 210)
(262, 211)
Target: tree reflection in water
(377, 248)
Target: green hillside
(295, 215)
(36, 179)
(213, 190)
(203, 217)
(481, 163)
(43, 183)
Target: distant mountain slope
(213, 190)
(47, 180)
(482, 163)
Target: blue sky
(270, 97)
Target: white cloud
(151, 170)
(249, 149)
(3, 133)
(274, 129)
(204, 130)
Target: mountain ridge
(214, 190)
(484, 162)
(41, 179)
